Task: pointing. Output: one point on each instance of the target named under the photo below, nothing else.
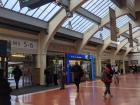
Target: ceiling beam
(88, 15)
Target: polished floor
(91, 93)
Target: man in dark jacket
(17, 74)
(77, 74)
(5, 90)
(47, 76)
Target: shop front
(23, 52)
(85, 61)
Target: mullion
(103, 12)
(27, 11)
(87, 24)
(87, 4)
(79, 25)
(5, 3)
(83, 23)
(105, 9)
(73, 21)
(44, 10)
(76, 16)
(94, 4)
(83, 27)
(120, 23)
(14, 5)
(76, 23)
(35, 11)
(49, 12)
(102, 7)
(99, 7)
(20, 10)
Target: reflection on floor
(91, 93)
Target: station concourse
(45, 39)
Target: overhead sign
(130, 35)
(79, 56)
(32, 4)
(113, 27)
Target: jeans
(107, 90)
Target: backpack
(103, 75)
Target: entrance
(87, 63)
(55, 62)
(26, 62)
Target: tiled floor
(91, 93)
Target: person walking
(77, 74)
(47, 76)
(61, 75)
(17, 74)
(5, 90)
(107, 79)
(116, 75)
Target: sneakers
(108, 95)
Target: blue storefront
(69, 57)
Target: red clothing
(108, 78)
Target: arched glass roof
(99, 7)
(78, 22)
(45, 12)
(121, 21)
(102, 34)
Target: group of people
(55, 77)
(107, 75)
(77, 69)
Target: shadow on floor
(31, 89)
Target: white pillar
(41, 58)
(98, 66)
(124, 66)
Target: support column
(113, 61)
(41, 58)
(98, 66)
(124, 66)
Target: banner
(130, 35)
(113, 27)
(32, 4)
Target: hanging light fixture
(101, 35)
(69, 25)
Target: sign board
(5, 48)
(79, 56)
(113, 27)
(20, 45)
(61, 48)
(32, 4)
(130, 35)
